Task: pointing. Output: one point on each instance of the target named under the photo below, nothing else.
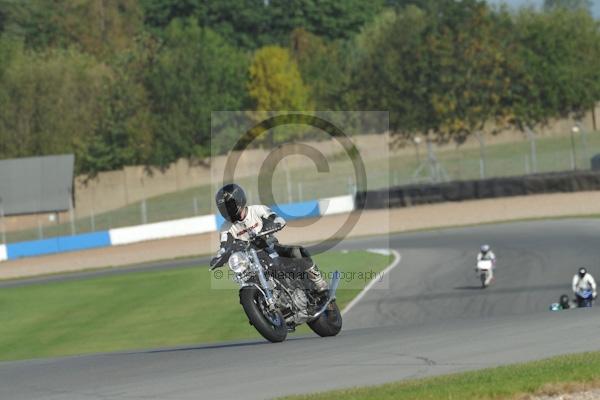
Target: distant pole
(531, 136)
(93, 220)
(417, 141)
(195, 205)
(574, 130)
(93, 215)
(40, 229)
(300, 191)
(144, 212)
(71, 211)
(481, 155)
(2, 222)
(432, 161)
(583, 141)
(288, 179)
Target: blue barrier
(57, 245)
(220, 221)
(305, 209)
(290, 211)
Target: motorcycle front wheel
(270, 324)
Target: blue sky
(538, 3)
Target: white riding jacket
(489, 256)
(253, 222)
(585, 283)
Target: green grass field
(139, 310)
(553, 154)
(507, 382)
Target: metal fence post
(482, 161)
(574, 130)
(2, 227)
(288, 180)
(144, 212)
(195, 202)
(531, 136)
(584, 142)
(71, 211)
(93, 220)
(40, 228)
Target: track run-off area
(428, 316)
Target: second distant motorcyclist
(583, 281)
(486, 254)
(242, 219)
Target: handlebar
(269, 231)
(220, 260)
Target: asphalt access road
(428, 317)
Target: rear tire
(273, 327)
(329, 323)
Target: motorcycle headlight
(238, 262)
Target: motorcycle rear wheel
(329, 323)
(271, 326)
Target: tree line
(123, 82)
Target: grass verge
(509, 382)
(138, 310)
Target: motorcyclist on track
(240, 219)
(486, 254)
(583, 281)
(564, 303)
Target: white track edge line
(394, 264)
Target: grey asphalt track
(430, 318)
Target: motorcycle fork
(262, 279)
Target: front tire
(329, 323)
(271, 326)
(483, 278)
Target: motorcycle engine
(301, 302)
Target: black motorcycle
(276, 297)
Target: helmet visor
(229, 210)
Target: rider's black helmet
(231, 200)
(564, 301)
(582, 272)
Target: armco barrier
(163, 230)
(57, 245)
(404, 196)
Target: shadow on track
(220, 346)
(469, 291)
(474, 287)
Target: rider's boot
(315, 276)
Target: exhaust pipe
(335, 281)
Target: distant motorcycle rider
(240, 219)
(564, 303)
(486, 254)
(583, 281)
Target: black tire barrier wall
(409, 195)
